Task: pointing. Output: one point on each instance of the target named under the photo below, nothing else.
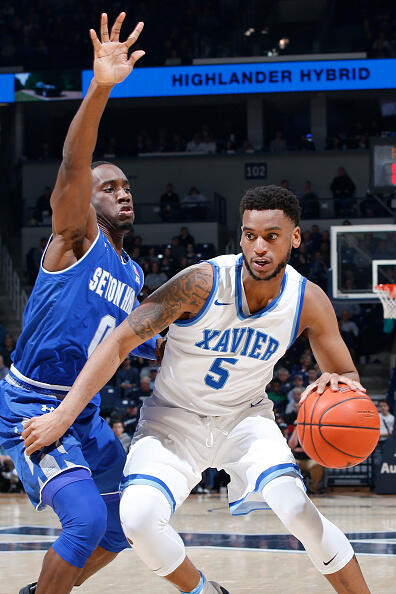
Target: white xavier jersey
(220, 361)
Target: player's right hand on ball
(111, 62)
(333, 379)
(42, 431)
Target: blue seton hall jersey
(70, 312)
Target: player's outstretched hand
(333, 379)
(111, 62)
(42, 431)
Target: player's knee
(83, 516)
(302, 514)
(144, 512)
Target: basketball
(338, 429)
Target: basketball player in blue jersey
(86, 286)
(231, 319)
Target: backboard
(354, 251)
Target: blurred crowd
(54, 33)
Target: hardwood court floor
(245, 554)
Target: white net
(387, 296)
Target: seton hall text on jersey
(246, 342)
(112, 289)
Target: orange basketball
(338, 429)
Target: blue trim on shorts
(153, 481)
(242, 507)
(195, 319)
(297, 315)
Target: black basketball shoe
(30, 589)
(219, 588)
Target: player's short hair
(272, 198)
(99, 163)
(384, 400)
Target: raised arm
(330, 351)
(73, 216)
(181, 297)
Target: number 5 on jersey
(217, 374)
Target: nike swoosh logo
(332, 559)
(257, 403)
(220, 303)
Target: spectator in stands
(306, 143)
(153, 375)
(387, 421)
(349, 331)
(335, 144)
(301, 368)
(155, 277)
(185, 237)
(191, 255)
(131, 416)
(298, 382)
(43, 210)
(177, 250)
(144, 390)
(285, 184)
(292, 406)
(119, 430)
(314, 470)
(246, 148)
(9, 480)
(278, 397)
(342, 187)
(3, 368)
(127, 377)
(207, 144)
(178, 144)
(283, 376)
(170, 204)
(278, 144)
(33, 259)
(193, 203)
(316, 237)
(5, 352)
(194, 145)
(112, 149)
(319, 270)
(312, 375)
(309, 202)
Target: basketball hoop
(387, 296)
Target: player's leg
(161, 469)
(263, 471)
(327, 547)
(54, 477)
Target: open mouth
(126, 212)
(261, 263)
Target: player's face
(267, 240)
(112, 198)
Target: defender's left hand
(160, 345)
(333, 379)
(42, 431)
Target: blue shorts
(89, 443)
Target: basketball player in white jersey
(231, 319)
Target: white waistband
(37, 384)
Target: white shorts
(172, 447)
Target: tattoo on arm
(186, 293)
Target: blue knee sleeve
(83, 515)
(114, 540)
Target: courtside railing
(11, 282)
